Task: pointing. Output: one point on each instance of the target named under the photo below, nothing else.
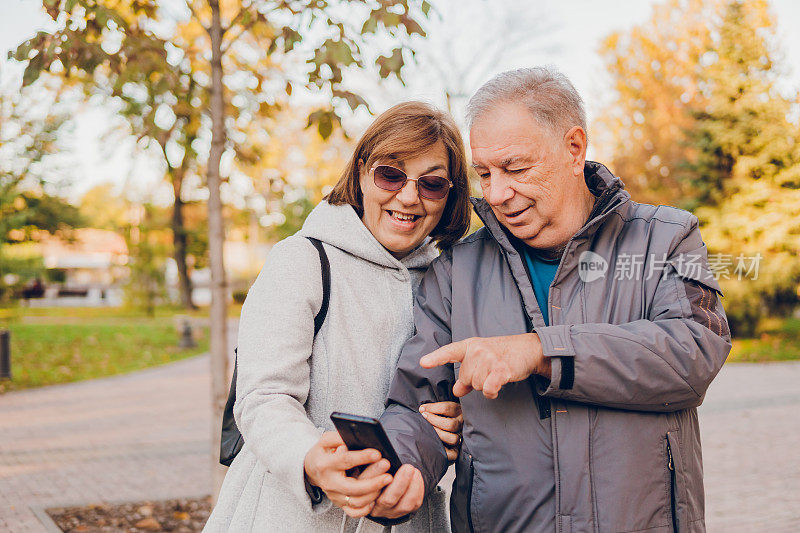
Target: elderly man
(579, 329)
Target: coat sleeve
(276, 333)
(413, 437)
(662, 363)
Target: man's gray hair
(546, 92)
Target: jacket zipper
(469, 493)
(671, 466)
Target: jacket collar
(605, 186)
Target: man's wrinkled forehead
(505, 151)
(504, 132)
(511, 157)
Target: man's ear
(575, 140)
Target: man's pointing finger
(449, 353)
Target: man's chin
(532, 239)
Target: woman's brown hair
(404, 131)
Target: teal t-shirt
(542, 275)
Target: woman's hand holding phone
(447, 420)
(326, 465)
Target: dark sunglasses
(393, 179)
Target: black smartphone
(362, 432)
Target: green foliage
(294, 214)
(148, 250)
(778, 341)
(29, 129)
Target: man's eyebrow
(507, 162)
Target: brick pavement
(750, 428)
(146, 435)
(127, 438)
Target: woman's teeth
(403, 216)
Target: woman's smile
(403, 221)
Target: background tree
(747, 171)
(462, 48)
(113, 49)
(655, 70)
(148, 249)
(30, 174)
(697, 121)
(294, 169)
(228, 50)
(340, 49)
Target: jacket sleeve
(276, 333)
(662, 363)
(413, 437)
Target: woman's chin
(401, 247)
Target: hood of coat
(605, 186)
(339, 226)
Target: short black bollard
(5, 354)
(187, 341)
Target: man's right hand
(402, 496)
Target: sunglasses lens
(389, 178)
(433, 187)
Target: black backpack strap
(231, 441)
(326, 284)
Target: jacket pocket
(461, 498)
(677, 488)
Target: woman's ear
(362, 173)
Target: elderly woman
(403, 194)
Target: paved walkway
(146, 436)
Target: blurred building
(91, 267)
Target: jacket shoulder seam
(650, 219)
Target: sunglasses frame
(419, 190)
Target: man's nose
(408, 195)
(497, 192)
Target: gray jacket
(611, 442)
(289, 381)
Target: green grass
(47, 349)
(779, 341)
(21, 313)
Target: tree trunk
(216, 239)
(179, 239)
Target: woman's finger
(375, 469)
(354, 512)
(359, 487)
(451, 409)
(331, 439)
(453, 425)
(344, 460)
(358, 502)
(449, 439)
